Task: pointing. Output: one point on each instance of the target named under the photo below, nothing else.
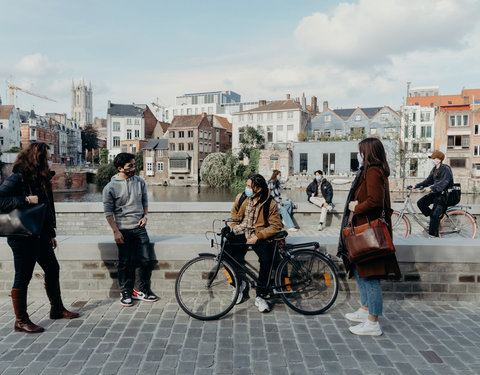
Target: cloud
(37, 65)
(371, 32)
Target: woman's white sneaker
(263, 306)
(367, 328)
(358, 316)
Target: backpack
(454, 194)
(266, 206)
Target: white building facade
(280, 121)
(81, 105)
(9, 127)
(417, 136)
(124, 122)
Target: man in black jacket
(437, 183)
(320, 193)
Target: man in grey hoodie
(125, 204)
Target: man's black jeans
(435, 213)
(264, 251)
(135, 252)
(27, 252)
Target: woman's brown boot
(22, 321)
(58, 311)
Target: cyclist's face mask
(319, 177)
(128, 169)
(249, 190)
(435, 162)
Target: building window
(415, 147)
(116, 126)
(172, 134)
(289, 114)
(116, 141)
(190, 134)
(390, 132)
(210, 110)
(190, 146)
(149, 167)
(200, 147)
(476, 150)
(274, 162)
(137, 133)
(1, 141)
(269, 133)
(181, 134)
(200, 134)
(240, 118)
(414, 133)
(303, 162)
(328, 118)
(358, 118)
(279, 115)
(458, 142)
(280, 134)
(260, 117)
(373, 131)
(129, 133)
(129, 121)
(270, 116)
(458, 120)
(385, 117)
(160, 153)
(414, 116)
(426, 132)
(160, 167)
(181, 164)
(413, 167)
(458, 163)
(133, 149)
(476, 128)
(137, 121)
(189, 111)
(181, 146)
(424, 116)
(250, 117)
(172, 146)
(290, 135)
(124, 148)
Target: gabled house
(155, 161)
(9, 127)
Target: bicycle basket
(453, 195)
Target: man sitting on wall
(320, 193)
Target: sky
(349, 53)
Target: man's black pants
(435, 213)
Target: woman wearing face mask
(320, 193)
(436, 184)
(259, 220)
(284, 205)
(30, 184)
(369, 199)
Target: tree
(14, 149)
(105, 173)
(139, 162)
(89, 138)
(245, 171)
(104, 156)
(251, 139)
(219, 169)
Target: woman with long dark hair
(369, 199)
(30, 184)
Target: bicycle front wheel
(202, 292)
(457, 223)
(400, 225)
(307, 281)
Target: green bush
(105, 173)
(218, 169)
(245, 171)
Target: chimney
(262, 102)
(288, 96)
(314, 107)
(297, 99)
(304, 101)
(109, 104)
(325, 105)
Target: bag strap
(350, 217)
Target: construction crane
(12, 88)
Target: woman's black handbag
(23, 222)
(453, 195)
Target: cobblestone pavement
(158, 338)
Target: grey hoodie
(124, 198)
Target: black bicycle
(207, 287)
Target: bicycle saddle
(279, 236)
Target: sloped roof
(164, 125)
(179, 155)
(156, 144)
(187, 121)
(346, 113)
(224, 122)
(5, 111)
(126, 110)
(278, 105)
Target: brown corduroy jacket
(262, 230)
(373, 195)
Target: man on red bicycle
(259, 220)
(436, 184)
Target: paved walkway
(158, 338)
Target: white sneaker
(367, 328)
(292, 229)
(243, 285)
(320, 227)
(263, 306)
(358, 316)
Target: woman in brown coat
(369, 199)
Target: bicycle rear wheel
(400, 225)
(308, 282)
(458, 223)
(204, 293)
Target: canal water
(208, 194)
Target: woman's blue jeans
(370, 294)
(286, 212)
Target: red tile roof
(187, 121)
(224, 122)
(5, 111)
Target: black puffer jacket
(325, 186)
(12, 195)
(439, 179)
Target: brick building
(155, 161)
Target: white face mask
(435, 162)
(360, 160)
(50, 163)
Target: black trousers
(135, 252)
(264, 251)
(29, 251)
(436, 212)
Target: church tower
(82, 103)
